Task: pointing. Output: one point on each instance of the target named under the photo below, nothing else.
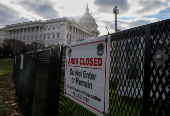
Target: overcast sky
(132, 13)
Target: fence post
(59, 77)
(52, 88)
(32, 83)
(146, 78)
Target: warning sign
(87, 74)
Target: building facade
(59, 31)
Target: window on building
(67, 36)
(53, 35)
(48, 28)
(58, 35)
(44, 36)
(44, 29)
(58, 27)
(48, 36)
(53, 27)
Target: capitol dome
(88, 21)
(87, 17)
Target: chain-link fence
(139, 76)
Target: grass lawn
(6, 66)
(8, 100)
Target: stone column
(72, 33)
(84, 35)
(12, 34)
(81, 34)
(39, 34)
(78, 34)
(19, 34)
(75, 34)
(35, 34)
(23, 35)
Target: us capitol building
(52, 32)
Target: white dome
(87, 17)
(88, 21)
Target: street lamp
(115, 11)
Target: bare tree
(16, 45)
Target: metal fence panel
(16, 72)
(29, 80)
(21, 80)
(159, 82)
(41, 82)
(54, 76)
(126, 72)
